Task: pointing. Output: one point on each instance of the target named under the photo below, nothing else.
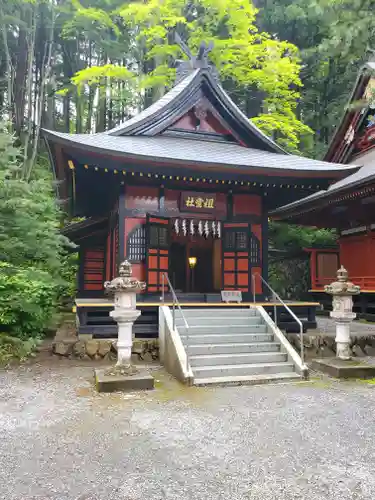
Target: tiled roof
(195, 151)
(181, 98)
(365, 174)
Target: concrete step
(236, 359)
(221, 320)
(249, 379)
(215, 312)
(205, 349)
(225, 338)
(222, 329)
(242, 369)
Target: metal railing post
(162, 288)
(274, 310)
(174, 304)
(275, 297)
(253, 279)
(174, 314)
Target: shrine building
(183, 188)
(348, 205)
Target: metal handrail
(294, 316)
(175, 302)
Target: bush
(13, 348)
(28, 300)
(33, 252)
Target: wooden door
(236, 262)
(157, 252)
(241, 256)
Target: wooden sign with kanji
(192, 201)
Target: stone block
(339, 368)
(85, 336)
(66, 331)
(79, 349)
(64, 348)
(104, 347)
(124, 383)
(92, 347)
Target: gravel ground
(60, 440)
(326, 326)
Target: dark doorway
(177, 266)
(202, 274)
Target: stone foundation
(69, 345)
(323, 346)
(86, 347)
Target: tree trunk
(90, 109)
(20, 75)
(44, 77)
(102, 109)
(9, 67)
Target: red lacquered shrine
(190, 176)
(348, 204)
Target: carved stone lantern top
(342, 286)
(124, 282)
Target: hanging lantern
(184, 228)
(206, 229)
(213, 225)
(219, 229)
(192, 227)
(200, 228)
(177, 226)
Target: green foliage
(292, 237)
(29, 217)
(243, 55)
(97, 74)
(32, 250)
(333, 37)
(13, 348)
(290, 277)
(28, 298)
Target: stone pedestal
(124, 375)
(342, 291)
(344, 369)
(107, 382)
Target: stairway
(232, 345)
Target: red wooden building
(348, 204)
(190, 176)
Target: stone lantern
(124, 375)
(342, 292)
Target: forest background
(84, 66)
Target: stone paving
(60, 440)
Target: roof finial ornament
(200, 61)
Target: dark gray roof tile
(194, 151)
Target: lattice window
(236, 240)
(254, 251)
(230, 240)
(158, 236)
(136, 244)
(163, 237)
(241, 240)
(154, 236)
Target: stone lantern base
(113, 382)
(338, 368)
